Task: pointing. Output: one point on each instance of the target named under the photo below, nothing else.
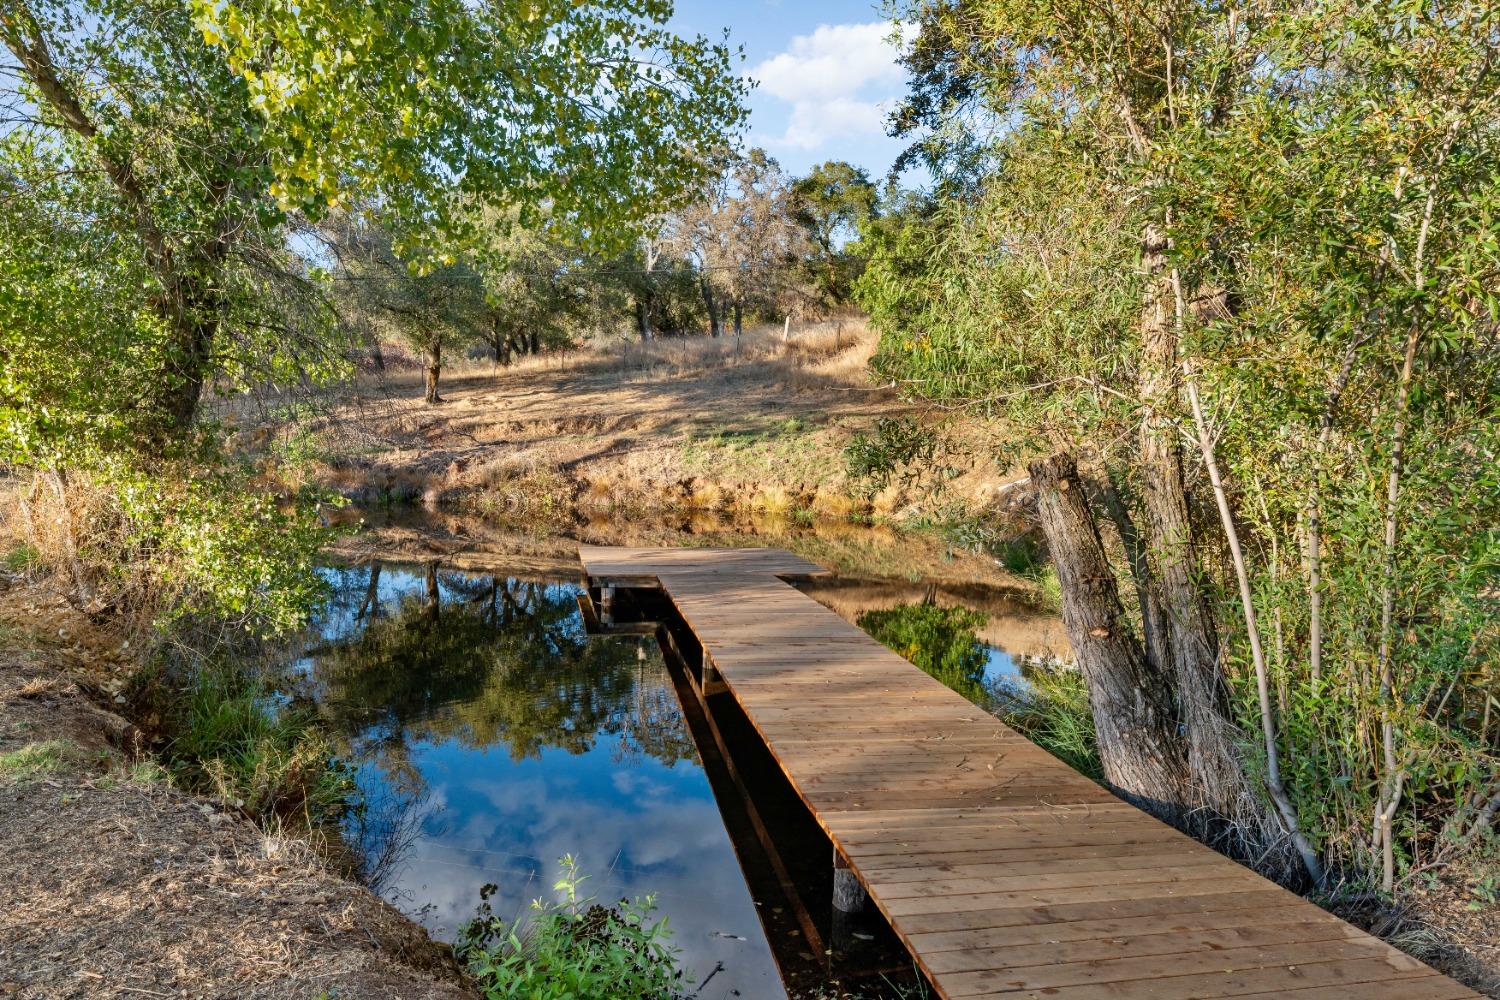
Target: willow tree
(1236, 259)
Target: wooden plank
(1005, 872)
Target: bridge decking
(1004, 871)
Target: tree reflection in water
(485, 661)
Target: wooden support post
(607, 605)
(849, 898)
(849, 895)
(713, 682)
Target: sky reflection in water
(493, 737)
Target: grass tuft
(1052, 710)
(21, 558)
(273, 762)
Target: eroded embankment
(113, 883)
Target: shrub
(898, 444)
(572, 949)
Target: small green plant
(1486, 893)
(34, 759)
(273, 762)
(148, 772)
(22, 557)
(572, 948)
(1049, 587)
(299, 449)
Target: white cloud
(840, 81)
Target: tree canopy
(1241, 262)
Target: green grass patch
(35, 759)
(21, 558)
(1052, 710)
(231, 739)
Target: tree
(741, 238)
(161, 162)
(130, 134)
(1205, 256)
(534, 291)
(831, 203)
(433, 309)
(195, 137)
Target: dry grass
(113, 883)
(755, 423)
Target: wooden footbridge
(1003, 871)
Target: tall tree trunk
(1153, 615)
(534, 342)
(1191, 643)
(186, 367)
(643, 320)
(715, 325)
(496, 340)
(1135, 718)
(1394, 781)
(434, 371)
(738, 318)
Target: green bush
(898, 443)
(572, 949)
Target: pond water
(491, 736)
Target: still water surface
(491, 736)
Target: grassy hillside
(755, 424)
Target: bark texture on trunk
(1153, 615)
(643, 320)
(1190, 642)
(433, 373)
(715, 318)
(1135, 716)
(738, 319)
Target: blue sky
(827, 75)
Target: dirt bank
(115, 884)
(750, 425)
